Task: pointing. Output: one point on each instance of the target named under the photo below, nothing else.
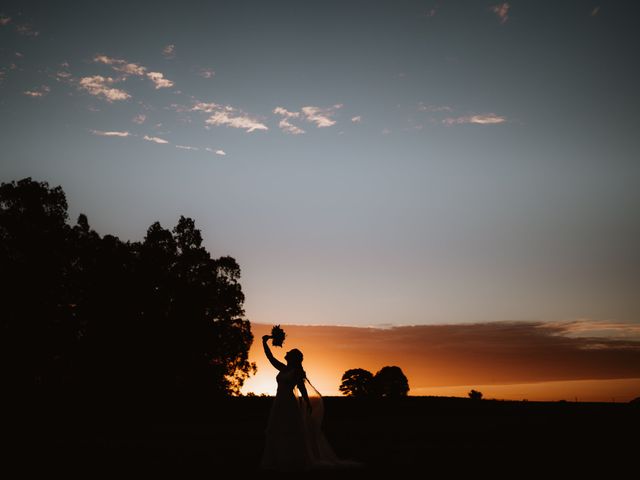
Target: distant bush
(475, 395)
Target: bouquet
(277, 336)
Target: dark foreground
(416, 435)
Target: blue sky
(366, 163)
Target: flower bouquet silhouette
(277, 336)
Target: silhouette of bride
(294, 439)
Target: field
(451, 436)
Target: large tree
(80, 308)
(391, 382)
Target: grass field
(451, 436)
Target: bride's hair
(296, 356)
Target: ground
(452, 436)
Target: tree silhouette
(475, 395)
(391, 382)
(357, 382)
(87, 310)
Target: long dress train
(294, 438)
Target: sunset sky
(467, 169)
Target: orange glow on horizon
(434, 371)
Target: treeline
(389, 382)
(81, 310)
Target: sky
(368, 164)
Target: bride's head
(294, 358)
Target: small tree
(475, 395)
(391, 382)
(357, 382)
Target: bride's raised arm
(267, 351)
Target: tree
(89, 310)
(357, 382)
(475, 395)
(391, 382)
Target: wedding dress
(294, 437)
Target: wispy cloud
(129, 68)
(169, 51)
(158, 79)
(203, 107)
(155, 139)
(595, 11)
(100, 86)
(112, 133)
(422, 107)
(285, 123)
(430, 13)
(484, 119)
(207, 73)
(38, 92)
(322, 117)
(231, 117)
(356, 119)
(286, 113)
(27, 30)
(120, 65)
(226, 115)
(219, 152)
(187, 147)
(139, 119)
(4, 21)
(502, 11)
(288, 127)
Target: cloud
(158, 79)
(121, 66)
(595, 11)
(207, 73)
(206, 107)
(27, 30)
(235, 120)
(220, 152)
(286, 113)
(128, 68)
(139, 119)
(460, 354)
(483, 119)
(100, 86)
(169, 51)
(322, 117)
(502, 11)
(284, 124)
(288, 127)
(356, 119)
(38, 92)
(225, 115)
(155, 139)
(186, 147)
(431, 12)
(4, 21)
(433, 108)
(112, 133)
